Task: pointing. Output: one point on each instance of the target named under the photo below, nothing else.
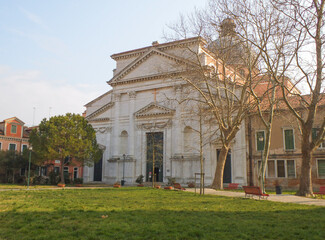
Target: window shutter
(321, 168)
(260, 144)
(280, 168)
(291, 171)
(288, 137)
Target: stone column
(131, 142)
(177, 133)
(115, 141)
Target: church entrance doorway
(155, 156)
(227, 169)
(98, 170)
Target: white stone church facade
(139, 104)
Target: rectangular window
(260, 140)
(24, 147)
(66, 172)
(43, 171)
(75, 173)
(271, 168)
(12, 146)
(13, 129)
(321, 168)
(0, 146)
(280, 168)
(291, 169)
(289, 141)
(56, 170)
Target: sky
(55, 55)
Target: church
(142, 114)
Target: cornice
(163, 46)
(14, 139)
(99, 120)
(146, 78)
(100, 110)
(143, 112)
(143, 58)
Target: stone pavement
(286, 198)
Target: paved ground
(275, 198)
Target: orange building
(285, 156)
(13, 135)
(72, 169)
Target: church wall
(185, 52)
(239, 157)
(99, 103)
(156, 65)
(181, 156)
(122, 63)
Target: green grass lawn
(18, 186)
(143, 213)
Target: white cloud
(34, 18)
(21, 91)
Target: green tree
(10, 163)
(66, 136)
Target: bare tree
(268, 33)
(307, 18)
(289, 36)
(217, 74)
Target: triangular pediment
(101, 114)
(154, 62)
(14, 120)
(152, 110)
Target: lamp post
(123, 181)
(29, 162)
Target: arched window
(188, 134)
(124, 142)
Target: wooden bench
(321, 191)
(250, 191)
(177, 186)
(232, 186)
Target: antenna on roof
(34, 109)
(50, 112)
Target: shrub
(21, 180)
(40, 180)
(78, 181)
(171, 181)
(139, 179)
(54, 178)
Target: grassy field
(17, 186)
(142, 213)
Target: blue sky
(55, 55)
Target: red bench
(321, 191)
(232, 186)
(250, 191)
(177, 186)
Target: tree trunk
(201, 158)
(265, 157)
(218, 177)
(305, 187)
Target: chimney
(155, 43)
